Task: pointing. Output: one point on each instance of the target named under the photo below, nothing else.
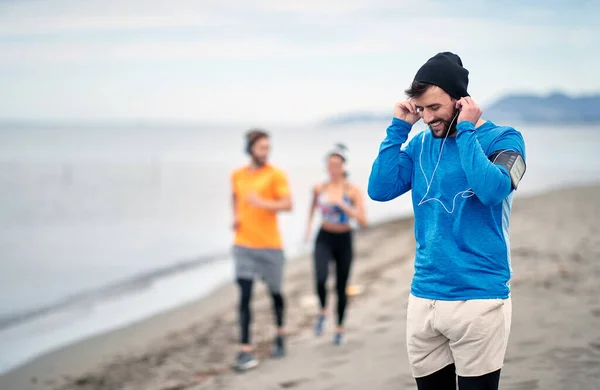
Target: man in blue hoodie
(462, 171)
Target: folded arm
(358, 210)
(283, 204)
(283, 200)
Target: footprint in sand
(335, 363)
(523, 385)
(325, 375)
(595, 345)
(514, 359)
(336, 387)
(531, 343)
(384, 318)
(292, 383)
(381, 329)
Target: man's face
(437, 109)
(260, 151)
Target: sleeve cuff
(398, 131)
(400, 124)
(464, 126)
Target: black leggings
(337, 247)
(245, 313)
(445, 379)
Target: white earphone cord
(464, 194)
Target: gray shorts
(265, 263)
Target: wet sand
(554, 341)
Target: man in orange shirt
(260, 191)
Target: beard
(258, 161)
(449, 126)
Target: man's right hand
(406, 111)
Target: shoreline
(74, 360)
(204, 261)
(102, 299)
(192, 346)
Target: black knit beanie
(446, 71)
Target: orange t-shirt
(258, 227)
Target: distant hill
(554, 108)
(356, 117)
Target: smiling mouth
(437, 125)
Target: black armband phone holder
(513, 162)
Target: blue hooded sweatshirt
(462, 207)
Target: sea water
(102, 226)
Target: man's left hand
(469, 110)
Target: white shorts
(471, 334)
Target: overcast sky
(277, 60)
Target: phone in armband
(513, 162)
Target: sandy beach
(554, 341)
